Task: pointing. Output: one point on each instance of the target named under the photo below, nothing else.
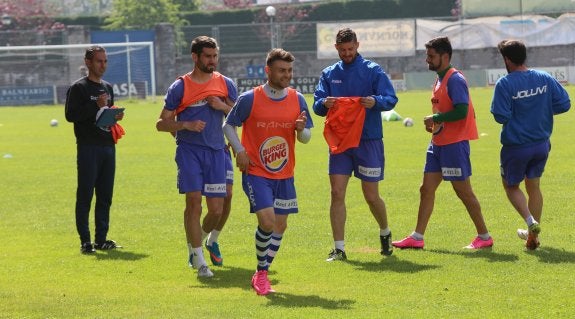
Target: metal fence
(257, 37)
(243, 49)
(32, 37)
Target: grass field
(43, 274)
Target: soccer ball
(408, 122)
(54, 122)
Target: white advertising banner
(534, 30)
(377, 38)
(560, 73)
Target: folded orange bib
(117, 131)
(344, 124)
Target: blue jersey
(525, 102)
(212, 136)
(360, 78)
(243, 108)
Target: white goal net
(30, 74)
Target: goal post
(131, 67)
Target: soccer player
(453, 126)
(194, 109)
(273, 115)
(525, 101)
(96, 151)
(355, 90)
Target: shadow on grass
(307, 301)
(488, 254)
(553, 255)
(118, 254)
(391, 263)
(228, 277)
(234, 277)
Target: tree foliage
(142, 14)
(27, 15)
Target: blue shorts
(518, 162)
(201, 169)
(229, 167)
(265, 192)
(451, 160)
(365, 161)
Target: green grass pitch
(43, 274)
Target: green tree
(142, 14)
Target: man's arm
(560, 100)
(231, 135)
(167, 123)
(242, 158)
(78, 106)
(304, 123)
(385, 98)
(459, 112)
(321, 103)
(501, 104)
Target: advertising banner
(487, 32)
(377, 38)
(560, 73)
(31, 95)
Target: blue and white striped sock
(263, 241)
(274, 247)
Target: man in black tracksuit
(96, 156)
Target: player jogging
(272, 116)
(525, 101)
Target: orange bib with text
(268, 135)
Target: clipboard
(108, 116)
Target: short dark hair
(345, 35)
(279, 54)
(89, 54)
(440, 45)
(514, 50)
(201, 42)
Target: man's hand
(218, 104)
(119, 116)
(329, 102)
(102, 100)
(301, 121)
(368, 102)
(428, 122)
(242, 161)
(194, 126)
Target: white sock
(190, 249)
(530, 220)
(213, 237)
(339, 244)
(384, 232)
(204, 234)
(199, 253)
(485, 236)
(417, 235)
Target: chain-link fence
(242, 39)
(32, 37)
